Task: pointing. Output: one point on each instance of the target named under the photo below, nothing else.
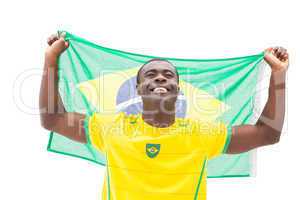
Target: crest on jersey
(152, 150)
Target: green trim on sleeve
(200, 179)
(228, 138)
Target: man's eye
(169, 75)
(150, 74)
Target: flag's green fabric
(93, 78)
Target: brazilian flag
(93, 78)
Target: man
(154, 155)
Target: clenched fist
(277, 58)
(57, 44)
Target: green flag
(93, 78)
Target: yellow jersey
(144, 162)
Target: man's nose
(160, 79)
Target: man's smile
(159, 90)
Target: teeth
(160, 90)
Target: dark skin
(52, 112)
(158, 87)
(158, 107)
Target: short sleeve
(94, 131)
(217, 138)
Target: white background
(193, 29)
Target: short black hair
(152, 60)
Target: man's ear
(137, 89)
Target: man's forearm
(53, 114)
(271, 120)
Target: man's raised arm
(52, 112)
(268, 128)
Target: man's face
(158, 81)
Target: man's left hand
(277, 58)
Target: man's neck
(159, 117)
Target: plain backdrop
(186, 29)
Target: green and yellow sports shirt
(146, 162)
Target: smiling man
(154, 155)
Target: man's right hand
(57, 45)
(52, 111)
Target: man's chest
(176, 150)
